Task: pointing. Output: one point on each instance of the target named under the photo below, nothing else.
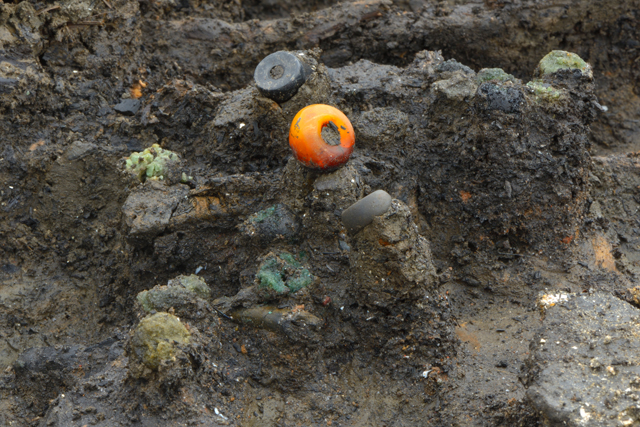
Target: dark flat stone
(128, 107)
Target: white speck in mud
(584, 415)
(218, 413)
(241, 125)
(425, 374)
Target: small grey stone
(128, 107)
(344, 246)
(79, 149)
(452, 65)
(595, 210)
(362, 212)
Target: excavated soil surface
(502, 192)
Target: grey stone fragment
(149, 208)
(274, 223)
(192, 283)
(79, 149)
(361, 213)
(584, 368)
(185, 294)
(595, 210)
(128, 107)
(452, 65)
(458, 87)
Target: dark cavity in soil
(330, 134)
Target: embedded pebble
(362, 212)
(128, 107)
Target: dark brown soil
(503, 195)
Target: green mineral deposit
(283, 273)
(494, 74)
(560, 59)
(289, 259)
(302, 280)
(262, 215)
(544, 91)
(155, 338)
(151, 163)
(270, 275)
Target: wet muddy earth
(165, 260)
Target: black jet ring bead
(280, 75)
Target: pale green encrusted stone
(151, 163)
(155, 338)
(195, 284)
(544, 91)
(185, 178)
(162, 298)
(560, 59)
(494, 74)
(179, 292)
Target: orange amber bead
(321, 136)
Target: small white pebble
(218, 413)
